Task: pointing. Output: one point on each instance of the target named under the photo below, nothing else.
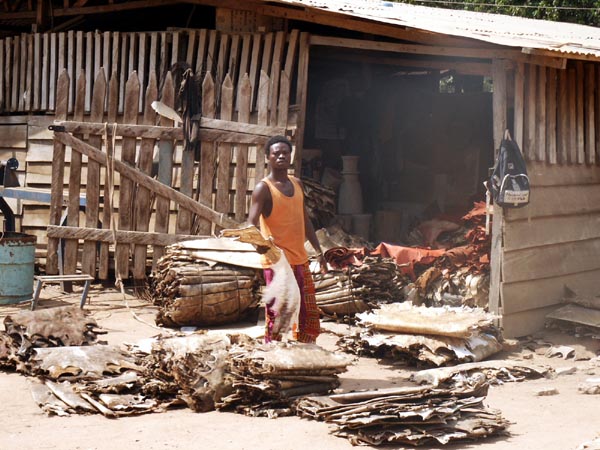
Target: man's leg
(309, 320)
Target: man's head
(276, 140)
(278, 152)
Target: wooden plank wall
(555, 240)
(232, 61)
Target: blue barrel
(17, 262)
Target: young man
(278, 204)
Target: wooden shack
(422, 95)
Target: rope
(110, 173)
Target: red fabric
(407, 255)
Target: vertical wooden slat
(79, 42)
(562, 129)
(107, 212)
(130, 114)
(225, 150)
(92, 188)
(184, 216)
(16, 53)
(590, 125)
(70, 61)
(124, 69)
(580, 120)
(164, 55)
(262, 105)
(175, 47)
(191, 48)
(28, 92)
(499, 116)
(211, 54)
(142, 204)
(53, 71)
(274, 93)
(572, 116)
(71, 245)
(37, 67)
(132, 60)
(2, 85)
(207, 155)
(284, 100)
(141, 68)
(58, 171)
(267, 53)
(23, 94)
(106, 54)
(255, 66)
(278, 48)
(241, 162)
(45, 70)
(6, 69)
(89, 68)
(115, 54)
(551, 115)
(291, 57)
(234, 58)
(518, 103)
(597, 116)
(244, 66)
(221, 70)
(201, 54)
(530, 138)
(97, 57)
(165, 168)
(153, 55)
(301, 97)
(541, 115)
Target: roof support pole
(499, 104)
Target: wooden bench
(43, 279)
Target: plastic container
(17, 263)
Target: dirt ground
(559, 422)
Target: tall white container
(350, 194)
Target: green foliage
(585, 12)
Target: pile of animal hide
(409, 415)
(320, 202)
(425, 335)
(28, 330)
(204, 371)
(580, 314)
(460, 276)
(341, 294)
(192, 290)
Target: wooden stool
(42, 279)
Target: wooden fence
(31, 63)
(134, 212)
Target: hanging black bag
(509, 183)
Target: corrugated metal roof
(564, 38)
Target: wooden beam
(556, 53)
(245, 132)
(146, 181)
(499, 103)
(125, 237)
(478, 53)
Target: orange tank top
(285, 224)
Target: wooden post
(540, 123)
(562, 129)
(92, 208)
(262, 105)
(499, 114)
(531, 128)
(71, 245)
(165, 168)
(126, 188)
(301, 97)
(207, 154)
(551, 115)
(225, 152)
(580, 120)
(572, 115)
(58, 172)
(142, 203)
(107, 207)
(590, 125)
(241, 162)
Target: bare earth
(559, 422)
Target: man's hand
(322, 263)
